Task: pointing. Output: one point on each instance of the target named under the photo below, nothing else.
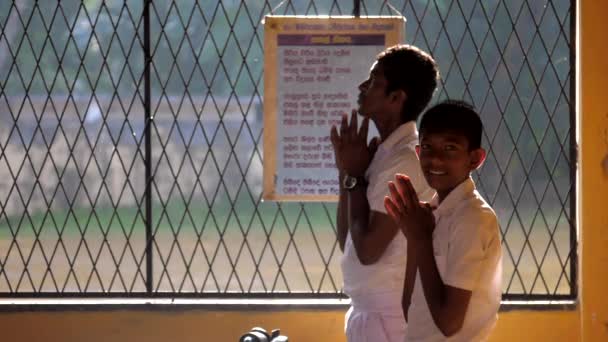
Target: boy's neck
(386, 128)
(444, 194)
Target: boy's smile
(446, 161)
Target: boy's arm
(470, 239)
(369, 243)
(341, 218)
(447, 304)
(353, 157)
(410, 279)
(381, 229)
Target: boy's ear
(399, 96)
(477, 158)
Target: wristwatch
(350, 183)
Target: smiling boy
(453, 242)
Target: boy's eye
(449, 147)
(425, 147)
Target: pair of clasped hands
(353, 156)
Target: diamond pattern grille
(83, 119)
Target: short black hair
(453, 116)
(412, 70)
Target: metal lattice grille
(121, 177)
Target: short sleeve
(468, 249)
(378, 186)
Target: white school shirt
(396, 154)
(468, 254)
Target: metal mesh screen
(131, 144)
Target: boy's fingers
(403, 189)
(333, 135)
(408, 189)
(343, 126)
(426, 206)
(412, 192)
(353, 124)
(396, 197)
(364, 129)
(391, 209)
(373, 145)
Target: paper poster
(313, 67)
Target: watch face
(349, 182)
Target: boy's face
(373, 98)
(446, 161)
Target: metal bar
(252, 295)
(148, 153)
(573, 155)
(218, 295)
(356, 8)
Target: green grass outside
(174, 216)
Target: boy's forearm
(341, 218)
(432, 284)
(358, 219)
(410, 279)
(447, 304)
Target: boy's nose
(433, 158)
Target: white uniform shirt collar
(406, 131)
(454, 198)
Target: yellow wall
(587, 322)
(198, 325)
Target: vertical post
(356, 8)
(574, 157)
(593, 176)
(148, 151)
